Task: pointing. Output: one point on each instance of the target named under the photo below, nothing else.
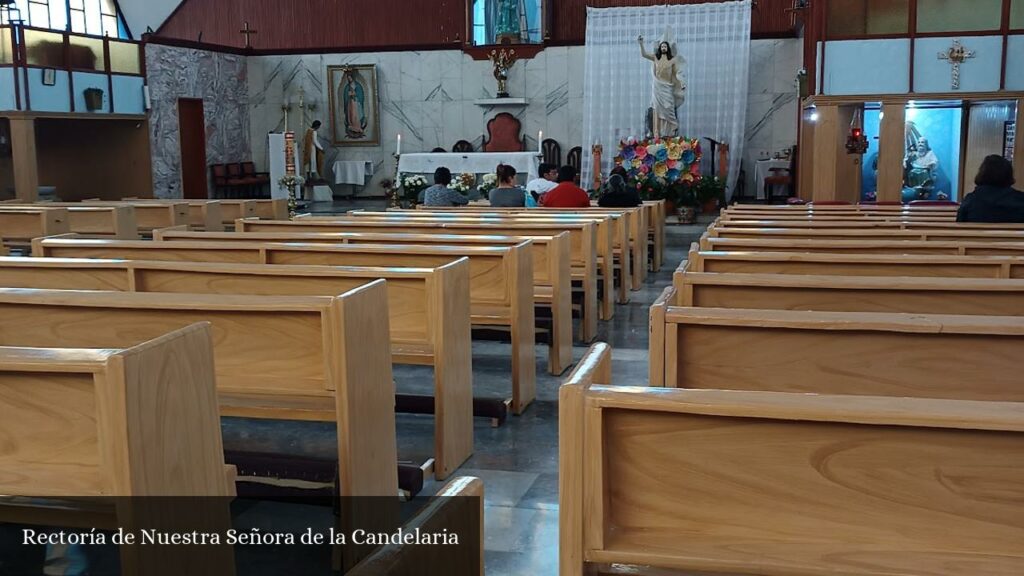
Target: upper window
(507, 22)
(1017, 14)
(96, 17)
(868, 17)
(959, 15)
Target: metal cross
(248, 34)
(956, 55)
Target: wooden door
(192, 135)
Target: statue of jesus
(669, 87)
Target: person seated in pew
(440, 194)
(616, 194)
(994, 198)
(567, 194)
(507, 194)
(538, 187)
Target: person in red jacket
(567, 194)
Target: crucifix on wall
(248, 34)
(956, 55)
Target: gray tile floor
(518, 461)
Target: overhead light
(881, 115)
(814, 117)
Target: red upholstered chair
(503, 134)
(219, 172)
(933, 203)
(259, 179)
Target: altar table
(470, 162)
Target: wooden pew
(428, 313)
(272, 209)
(210, 215)
(977, 296)
(80, 424)
(582, 237)
(552, 281)
(115, 221)
(951, 235)
(616, 226)
(943, 266)
(500, 285)
(20, 224)
(865, 224)
(881, 354)
(636, 222)
(656, 217)
(956, 248)
(840, 209)
(773, 483)
(450, 509)
(147, 215)
(291, 358)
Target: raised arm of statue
(643, 51)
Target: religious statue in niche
(313, 153)
(506, 21)
(353, 94)
(507, 27)
(920, 166)
(669, 85)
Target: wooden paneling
(890, 152)
(106, 159)
(347, 24)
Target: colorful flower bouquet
(661, 168)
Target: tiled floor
(518, 462)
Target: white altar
(470, 162)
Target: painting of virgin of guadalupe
(354, 108)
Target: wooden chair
(258, 179)
(503, 134)
(781, 177)
(462, 146)
(744, 482)
(438, 150)
(575, 159)
(551, 151)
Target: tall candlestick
(540, 139)
(398, 148)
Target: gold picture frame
(355, 105)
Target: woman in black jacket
(618, 195)
(994, 199)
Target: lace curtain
(715, 41)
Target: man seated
(440, 194)
(616, 194)
(567, 194)
(538, 187)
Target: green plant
(710, 188)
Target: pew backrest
(950, 247)
(23, 223)
(115, 221)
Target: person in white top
(544, 184)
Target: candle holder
(392, 192)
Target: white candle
(398, 148)
(540, 139)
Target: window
(1016, 14)
(94, 17)
(507, 21)
(868, 17)
(958, 15)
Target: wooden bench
(148, 215)
(428, 314)
(656, 216)
(881, 354)
(552, 281)
(273, 209)
(582, 238)
(773, 483)
(854, 264)
(20, 224)
(500, 284)
(863, 224)
(457, 508)
(954, 235)
(977, 296)
(115, 221)
(290, 358)
(952, 247)
(202, 214)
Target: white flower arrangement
(488, 182)
(463, 183)
(414, 181)
(289, 181)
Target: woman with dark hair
(507, 194)
(440, 194)
(618, 195)
(994, 199)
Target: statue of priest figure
(669, 85)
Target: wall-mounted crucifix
(956, 55)
(248, 34)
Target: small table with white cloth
(470, 162)
(353, 172)
(763, 169)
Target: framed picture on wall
(355, 120)
(49, 76)
(1009, 139)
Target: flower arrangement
(290, 181)
(463, 183)
(661, 167)
(413, 184)
(487, 183)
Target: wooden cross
(956, 55)
(248, 34)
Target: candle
(540, 139)
(398, 148)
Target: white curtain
(715, 41)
